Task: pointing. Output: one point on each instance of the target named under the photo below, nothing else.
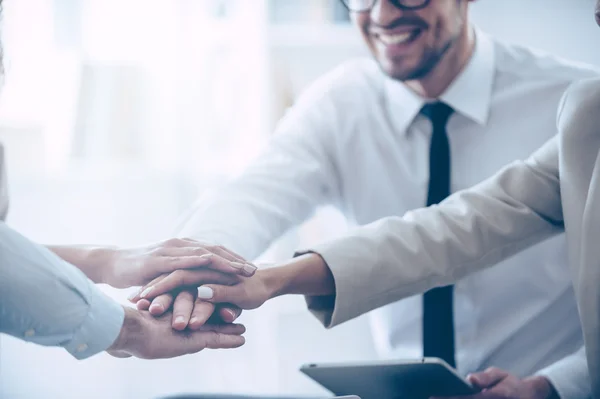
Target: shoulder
(538, 67)
(350, 81)
(580, 108)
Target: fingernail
(133, 295)
(158, 307)
(237, 265)
(206, 256)
(179, 320)
(249, 269)
(146, 292)
(231, 313)
(193, 320)
(205, 293)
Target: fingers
(224, 265)
(231, 329)
(234, 294)
(225, 336)
(136, 296)
(202, 312)
(229, 313)
(196, 255)
(229, 254)
(487, 378)
(182, 309)
(215, 340)
(186, 278)
(161, 304)
(143, 304)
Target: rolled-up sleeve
(50, 302)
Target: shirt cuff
(569, 377)
(100, 328)
(332, 310)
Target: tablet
(395, 379)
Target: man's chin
(398, 73)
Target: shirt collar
(470, 94)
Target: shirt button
(30, 332)
(82, 348)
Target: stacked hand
(194, 299)
(178, 322)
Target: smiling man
(439, 107)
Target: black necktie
(438, 320)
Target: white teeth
(395, 39)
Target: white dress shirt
(356, 140)
(48, 301)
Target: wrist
(274, 280)
(306, 274)
(542, 387)
(131, 327)
(102, 261)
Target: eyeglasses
(367, 5)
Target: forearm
(93, 261)
(398, 257)
(305, 275)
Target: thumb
(220, 293)
(487, 378)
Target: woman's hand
(133, 267)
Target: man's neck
(448, 69)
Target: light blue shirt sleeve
(48, 301)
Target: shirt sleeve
(280, 189)
(50, 302)
(570, 376)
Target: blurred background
(117, 114)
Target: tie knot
(438, 112)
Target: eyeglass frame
(396, 3)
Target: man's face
(408, 44)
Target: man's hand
(132, 267)
(499, 384)
(147, 337)
(188, 310)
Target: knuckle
(199, 251)
(185, 295)
(172, 242)
(212, 248)
(215, 339)
(157, 251)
